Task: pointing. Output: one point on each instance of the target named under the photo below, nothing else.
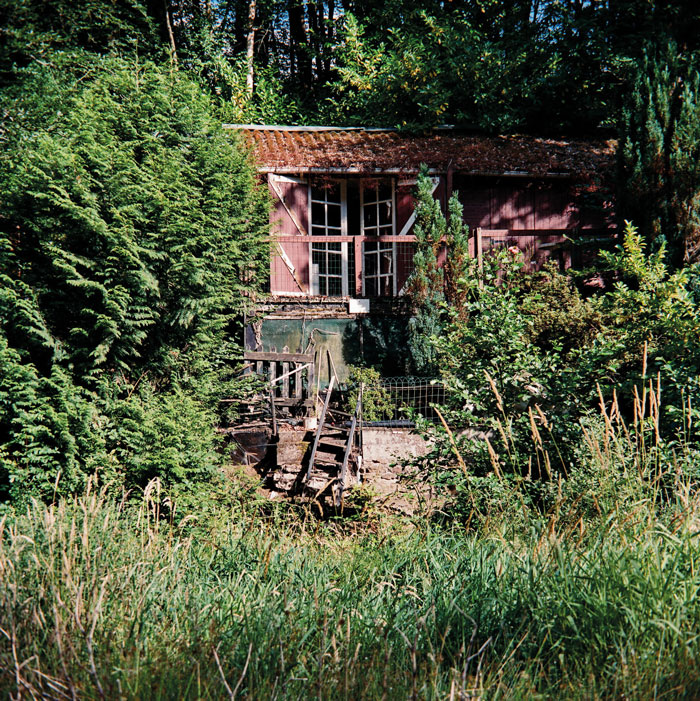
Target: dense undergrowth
(559, 559)
(161, 599)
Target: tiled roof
(364, 150)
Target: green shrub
(131, 229)
(376, 400)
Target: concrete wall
(382, 448)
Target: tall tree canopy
(660, 152)
(538, 65)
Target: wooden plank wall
(296, 197)
(530, 205)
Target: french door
(328, 259)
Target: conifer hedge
(132, 229)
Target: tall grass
(101, 599)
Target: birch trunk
(250, 50)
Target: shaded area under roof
(283, 149)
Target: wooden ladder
(332, 449)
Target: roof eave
(296, 170)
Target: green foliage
(153, 596)
(133, 229)
(652, 328)
(406, 76)
(376, 400)
(426, 284)
(33, 30)
(531, 363)
(560, 319)
(434, 283)
(659, 179)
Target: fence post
(478, 244)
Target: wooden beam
(348, 450)
(319, 430)
(290, 373)
(279, 401)
(279, 357)
(478, 244)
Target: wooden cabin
(343, 200)
(343, 218)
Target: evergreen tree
(659, 155)
(441, 264)
(134, 228)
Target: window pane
(318, 231)
(370, 216)
(386, 263)
(334, 265)
(385, 231)
(370, 246)
(318, 193)
(335, 287)
(384, 191)
(322, 285)
(387, 286)
(318, 215)
(334, 215)
(371, 264)
(335, 246)
(333, 193)
(385, 213)
(319, 258)
(371, 287)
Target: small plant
(376, 400)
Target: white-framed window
(332, 269)
(379, 257)
(378, 216)
(328, 260)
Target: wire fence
(403, 397)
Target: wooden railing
(291, 274)
(291, 378)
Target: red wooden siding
(532, 215)
(534, 205)
(282, 281)
(404, 202)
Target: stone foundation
(280, 463)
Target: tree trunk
(298, 42)
(171, 36)
(250, 49)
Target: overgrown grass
(101, 599)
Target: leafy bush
(133, 228)
(376, 400)
(529, 364)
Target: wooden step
(334, 442)
(325, 464)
